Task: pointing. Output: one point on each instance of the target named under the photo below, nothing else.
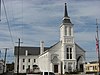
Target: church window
(28, 60)
(69, 53)
(65, 30)
(23, 60)
(23, 67)
(70, 31)
(34, 60)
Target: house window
(95, 67)
(69, 53)
(28, 66)
(34, 60)
(88, 68)
(23, 60)
(28, 60)
(23, 67)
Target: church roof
(31, 50)
(59, 42)
(57, 45)
(80, 47)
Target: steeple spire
(66, 18)
(65, 13)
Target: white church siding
(44, 62)
(48, 58)
(80, 56)
(80, 52)
(55, 52)
(56, 49)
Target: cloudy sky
(36, 20)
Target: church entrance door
(56, 68)
(81, 68)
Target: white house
(63, 56)
(27, 58)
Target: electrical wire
(0, 10)
(8, 22)
(22, 21)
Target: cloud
(33, 20)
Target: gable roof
(50, 48)
(59, 42)
(31, 50)
(80, 47)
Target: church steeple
(66, 28)
(66, 18)
(65, 13)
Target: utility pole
(0, 53)
(5, 59)
(18, 56)
(97, 47)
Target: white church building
(64, 56)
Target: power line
(8, 22)
(22, 21)
(0, 10)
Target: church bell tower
(66, 29)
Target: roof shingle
(31, 50)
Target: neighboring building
(10, 67)
(2, 67)
(27, 58)
(64, 56)
(92, 67)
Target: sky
(36, 20)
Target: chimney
(41, 47)
(26, 53)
